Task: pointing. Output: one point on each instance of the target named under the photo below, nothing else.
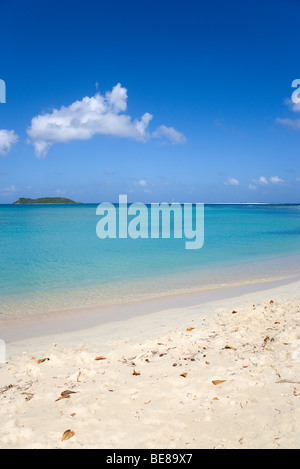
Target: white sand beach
(222, 374)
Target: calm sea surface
(51, 258)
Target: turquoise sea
(51, 258)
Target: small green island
(46, 200)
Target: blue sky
(167, 101)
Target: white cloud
(86, 118)
(298, 179)
(100, 114)
(7, 139)
(232, 182)
(261, 181)
(276, 180)
(141, 183)
(294, 106)
(252, 187)
(169, 135)
(7, 191)
(292, 123)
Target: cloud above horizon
(291, 123)
(8, 191)
(99, 114)
(276, 180)
(263, 181)
(231, 182)
(169, 135)
(7, 139)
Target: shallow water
(52, 259)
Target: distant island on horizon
(64, 201)
(46, 200)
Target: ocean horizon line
(149, 203)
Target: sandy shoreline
(186, 377)
(14, 328)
